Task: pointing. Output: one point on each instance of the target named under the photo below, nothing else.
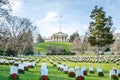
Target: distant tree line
(54, 50)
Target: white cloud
(51, 17)
(46, 26)
(16, 5)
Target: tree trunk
(83, 49)
(97, 53)
(4, 46)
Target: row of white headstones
(90, 58)
(14, 69)
(21, 66)
(100, 56)
(79, 72)
(12, 60)
(44, 70)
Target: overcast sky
(75, 14)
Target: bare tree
(5, 8)
(80, 44)
(16, 28)
(116, 45)
(13, 30)
(76, 45)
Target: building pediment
(59, 34)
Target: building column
(54, 39)
(57, 39)
(60, 39)
(65, 39)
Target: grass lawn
(54, 74)
(41, 47)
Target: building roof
(60, 34)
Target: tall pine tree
(100, 28)
(40, 39)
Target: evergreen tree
(73, 36)
(100, 28)
(40, 39)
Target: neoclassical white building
(59, 37)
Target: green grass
(54, 74)
(41, 47)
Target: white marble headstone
(62, 66)
(109, 52)
(2, 61)
(90, 68)
(100, 52)
(11, 61)
(6, 61)
(65, 68)
(25, 64)
(43, 65)
(76, 67)
(112, 72)
(71, 69)
(44, 71)
(21, 66)
(118, 71)
(33, 64)
(13, 69)
(84, 68)
(79, 73)
(99, 70)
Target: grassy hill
(41, 47)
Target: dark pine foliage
(100, 28)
